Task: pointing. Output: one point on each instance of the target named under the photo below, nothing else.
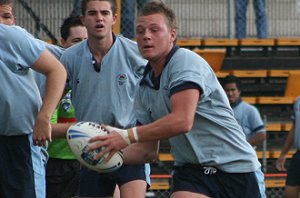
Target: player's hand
(113, 142)
(41, 132)
(280, 164)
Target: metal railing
(196, 18)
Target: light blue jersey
(216, 139)
(20, 103)
(106, 96)
(19, 93)
(296, 118)
(249, 118)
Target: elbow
(153, 154)
(186, 124)
(151, 157)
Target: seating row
(224, 42)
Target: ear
(115, 17)
(173, 35)
(81, 17)
(62, 42)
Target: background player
(103, 80)
(248, 118)
(292, 186)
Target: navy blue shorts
(22, 168)
(213, 182)
(62, 178)
(94, 184)
(293, 173)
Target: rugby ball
(78, 136)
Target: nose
(146, 35)
(99, 17)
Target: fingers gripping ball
(78, 136)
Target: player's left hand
(113, 142)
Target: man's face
(98, 19)
(233, 93)
(77, 34)
(6, 15)
(155, 39)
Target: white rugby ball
(78, 136)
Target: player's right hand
(280, 164)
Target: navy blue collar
(236, 103)
(149, 78)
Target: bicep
(46, 63)
(185, 102)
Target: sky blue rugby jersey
(216, 139)
(105, 96)
(19, 96)
(296, 118)
(249, 118)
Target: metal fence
(196, 18)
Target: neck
(100, 47)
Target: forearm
(59, 130)
(257, 139)
(140, 153)
(164, 128)
(54, 88)
(288, 142)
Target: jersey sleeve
(24, 47)
(256, 122)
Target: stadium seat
(190, 43)
(219, 42)
(274, 127)
(287, 41)
(250, 100)
(275, 100)
(250, 73)
(293, 85)
(214, 57)
(256, 42)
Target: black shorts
(213, 182)
(62, 178)
(22, 169)
(293, 173)
(94, 184)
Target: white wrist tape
(130, 135)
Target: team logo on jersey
(122, 78)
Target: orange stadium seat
(256, 42)
(275, 100)
(214, 57)
(250, 73)
(189, 42)
(221, 42)
(293, 85)
(287, 41)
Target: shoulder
(249, 109)
(75, 50)
(17, 37)
(9, 31)
(247, 106)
